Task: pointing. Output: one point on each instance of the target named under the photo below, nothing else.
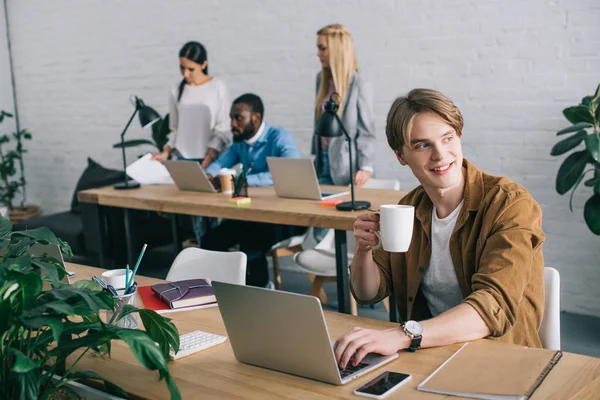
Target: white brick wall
(6, 94)
(511, 66)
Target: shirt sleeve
(227, 159)
(382, 259)
(365, 142)
(285, 147)
(173, 118)
(511, 255)
(221, 136)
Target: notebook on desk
(296, 178)
(489, 370)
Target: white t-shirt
(440, 285)
(200, 119)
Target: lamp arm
(339, 120)
(123, 145)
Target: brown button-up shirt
(496, 249)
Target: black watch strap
(415, 343)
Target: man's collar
(258, 136)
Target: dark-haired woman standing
(199, 111)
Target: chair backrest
(550, 328)
(390, 184)
(194, 263)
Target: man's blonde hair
(342, 63)
(405, 109)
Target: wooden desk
(216, 374)
(265, 207)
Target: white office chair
(550, 328)
(194, 263)
(319, 263)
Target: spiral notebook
(490, 370)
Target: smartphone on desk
(383, 385)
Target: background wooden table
(216, 374)
(265, 207)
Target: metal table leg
(341, 267)
(393, 313)
(129, 237)
(176, 235)
(100, 233)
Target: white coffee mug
(115, 278)
(396, 227)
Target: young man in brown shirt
(474, 268)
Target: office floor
(580, 334)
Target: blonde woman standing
(339, 74)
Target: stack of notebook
(184, 295)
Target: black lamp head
(328, 123)
(147, 115)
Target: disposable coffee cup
(226, 178)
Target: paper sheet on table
(149, 172)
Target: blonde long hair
(342, 63)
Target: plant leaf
(591, 182)
(577, 127)
(570, 170)
(56, 325)
(591, 144)
(567, 144)
(22, 364)
(159, 328)
(5, 226)
(143, 348)
(110, 387)
(30, 385)
(578, 114)
(132, 143)
(575, 188)
(45, 236)
(591, 213)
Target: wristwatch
(414, 330)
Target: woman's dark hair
(195, 52)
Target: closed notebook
(191, 292)
(490, 370)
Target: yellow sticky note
(240, 201)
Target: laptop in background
(284, 332)
(296, 178)
(189, 176)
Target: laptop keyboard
(350, 369)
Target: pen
(112, 290)
(131, 288)
(99, 282)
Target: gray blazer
(359, 122)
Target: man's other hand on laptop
(356, 344)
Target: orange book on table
(330, 202)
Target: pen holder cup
(241, 190)
(130, 320)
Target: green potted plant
(47, 325)
(160, 136)
(12, 174)
(585, 118)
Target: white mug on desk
(396, 227)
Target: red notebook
(153, 302)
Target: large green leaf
(110, 387)
(570, 171)
(29, 383)
(22, 364)
(569, 143)
(132, 143)
(578, 114)
(143, 348)
(591, 144)
(159, 328)
(45, 236)
(577, 127)
(54, 270)
(591, 213)
(5, 226)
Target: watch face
(414, 327)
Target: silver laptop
(51, 250)
(296, 178)
(189, 175)
(284, 332)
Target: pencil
(137, 265)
